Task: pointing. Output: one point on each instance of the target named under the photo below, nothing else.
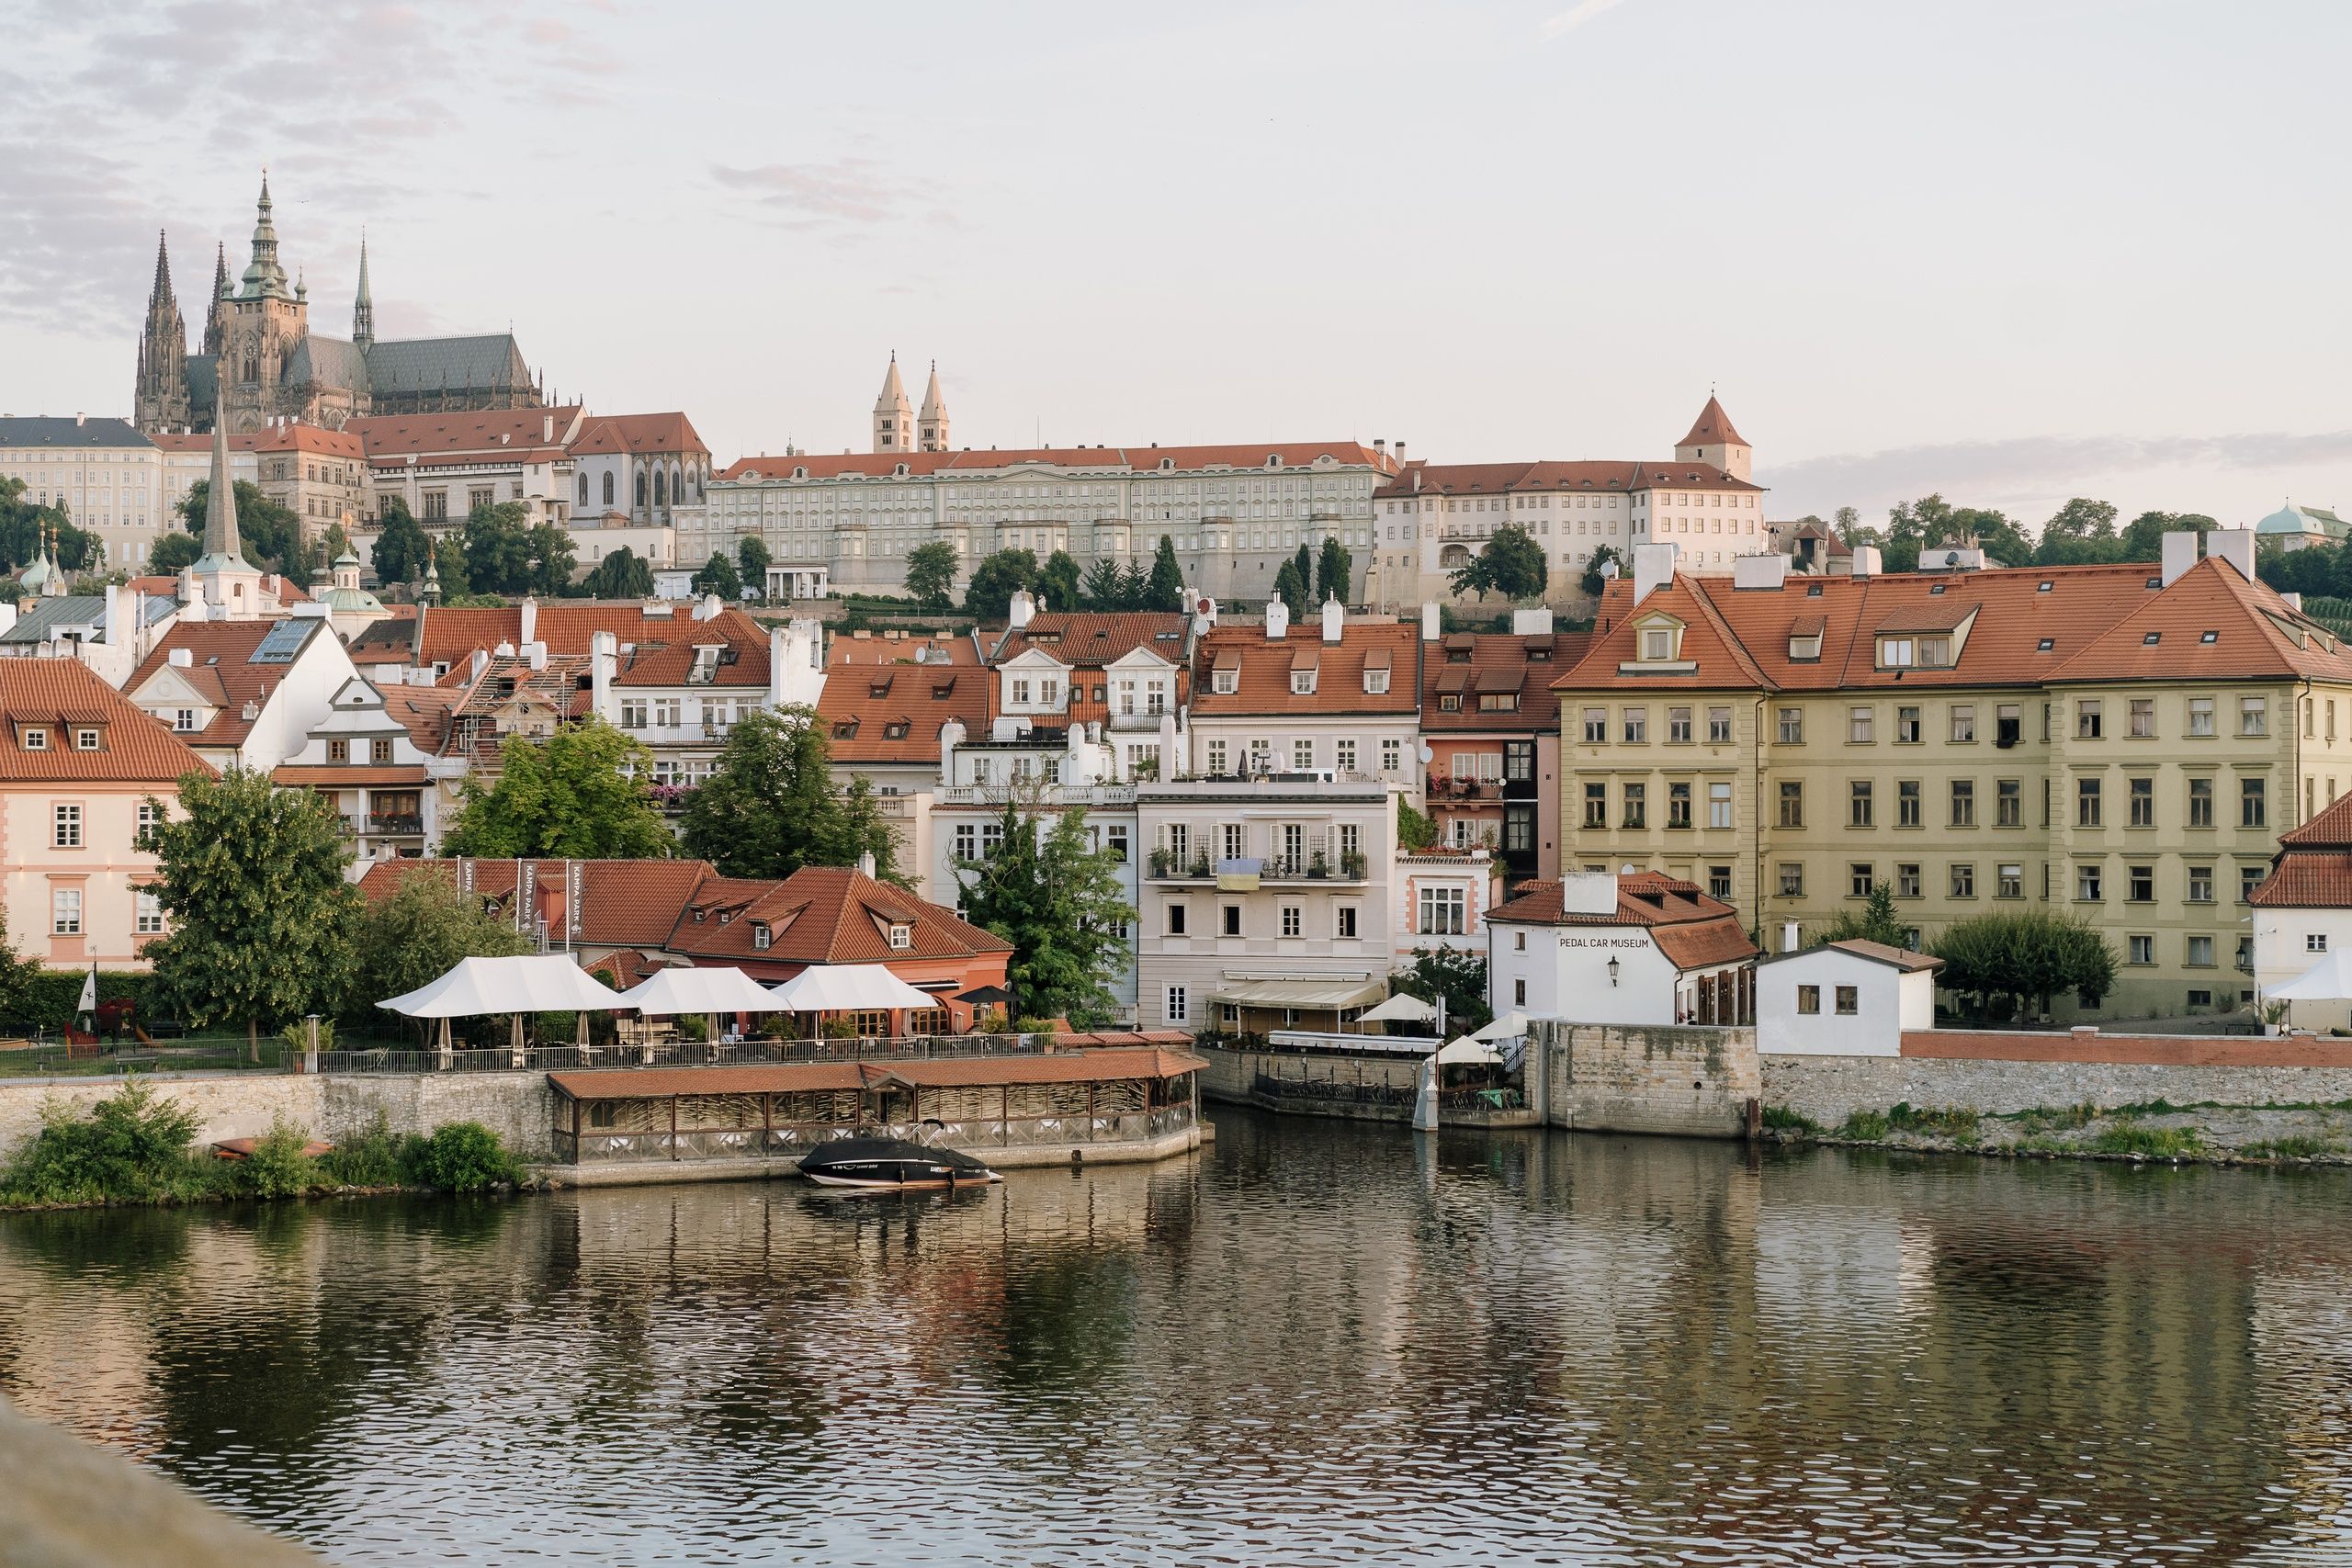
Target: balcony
(1445, 787)
(1135, 723)
(409, 823)
(1163, 866)
(1097, 795)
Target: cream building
(106, 478)
(2121, 744)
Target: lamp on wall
(1613, 970)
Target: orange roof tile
(1263, 683)
(221, 667)
(1124, 459)
(641, 433)
(57, 695)
(623, 903)
(822, 915)
(1712, 428)
(1525, 663)
(1692, 930)
(888, 692)
(1092, 638)
(499, 431)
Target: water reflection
(1312, 1344)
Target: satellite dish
(1424, 754)
(1625, 870)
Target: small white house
(2302, 911)
(1597, 947)
(1843, 999)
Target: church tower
(215, 315)
(161, 400)
(894, 416)
(261, 325)
(1712, 440)
(935, 414)
(363, 305)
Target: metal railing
(678, 1054)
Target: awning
(1400, 1009)
(668, 992)
(843, 988)
(1299, 991)
(2329, 980)
(1467, 1052)
(548, 982)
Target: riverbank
(2208, 1133)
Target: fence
(793, 1139)
(680, 1053)
(1330, 1089)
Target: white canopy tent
(538, 982)
(1466, 1050)
(1400, 1009)
(1512, 1025)
(2329, 980)
(847, 988)
(668, 992)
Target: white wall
(2282, 950)
(1888, 1001)
(1567, 971)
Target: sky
(2008, 252)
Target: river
(1312, 1343)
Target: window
(1963, 881)
(87, 739)
(1906, 726)
(1292, 921)
(1343, 755)
(1719, 882)
(2201, 715)
(1719, 805)
(1678, 805)
(1791, 879)
(1858, 725)
(2249, 878)
(1302, 756)
(2008, 802)
(339, 751)
(2201, 803)
(1375, 680)
(1518, 761)
(1908, 881)
(1176, 926)
(36, 740)
(1906, 803)
(1963, 803)
(1519, 992)
(1442, 911)
(1791, 802)
(1963, 723)
(2006, 726)
(2087, 803)
(1718, 725)
(2010, 881)
(1657, 643)
(1392, 756)
(1849, 1000)
(2090, 883)
(66, 828)
(2315, 942)
(1859, 804)
(2200, 953)
(1596, 806)
(379, 750)
(1232, 919)
(1216, 758)
(1302, 683)
(1345, 920)
(2253, 715)
(1115, 839)
(1596, 727)
(1861, 877)
(2200, 998)
(65, 911)
(1637, 725)
(2200, 884)
(761, 934)
(902, 937)
(1235, 836)
(2140, 950)
(2141, 880)
(2087, 719)
(149, 816)
(1636, 806)
(1792, 727)
(147, 912)
(2143, 719)
(1677, 726)
(2143, 802)
(183, 721)
(1808, 998)
(1175, 1005)
(2253, 810)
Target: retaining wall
(519, 1107)
(1830, 1089)
(1694, 1082)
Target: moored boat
(892, 1163)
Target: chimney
(1380, 445)
(1788, 936)
(2234, 545)
(536, 652)
(951, 735)
(2292, 600)
(480, 663)
(604, 659)
(1769, 570)
(1204, 613)
(547, 429)
(1866, 561)
(1023, 609)
(865, 864)
(1277, 620)
(1432, 623)
(181, 657)
(80, 418)
(1534, 622)
(530, 627)
(113, 636)
(1400, 459)
(1653, 568)
(2180, 554)
(1335, 619)
(710, 607)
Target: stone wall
(519, 1107)
(1830, 1089)
(1692, 1082)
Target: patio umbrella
(846, 988)
(1399, 1008)
(1466, 1051)
(986, 997)
(546, 982)
(1512, 1025)
(667, 992)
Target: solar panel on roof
(280, 643)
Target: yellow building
(2121, 744)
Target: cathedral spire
(220, 548)
(266, 278)
(934, 422)
(894, 416)
(219, 272)
(363, 305)
(160, 294)
(160, 398)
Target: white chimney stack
(181, 657)
(2234, 545)
(1023, 609)
(1788, 936)
(530, 627)
(1653, 568)
(2180, 554)
(951, 735)
(604, 663)
(866, 863)
(1335, 619)
(1767, 571)
(1277, 620)
(1866, 561)
(1432, 623)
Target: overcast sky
(2008, 251)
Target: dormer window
(760, 935)
(894, 731)
(85, 740)
(1226, 681)
(183, 721)
(1807, 647)
(845, 729)
(902, 936)
(35, 739)
(1657, 644)
(1449, 701)
(1302, 682)
(1375, 682)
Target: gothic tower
(1712, 440)
(363, 305)
(213, 312)
(935, 414)
(261, 325)
(161, 402)
(893, 417)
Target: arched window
(658, 496)
(640, 487)
(584, 490)
(608, 487)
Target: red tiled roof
(424, 712)
(665, 655)
(2332, 828)
(504, 432)
(220, 667)
(1125, 459)
(1712, 428)
(1692, 930)
(2256, 636)
(2308, 879)
(1500, 661)
(58, 694)
(920, 698)
(623, 903)
(1092, 638)
(1584, 475)
(641, 433)
(821, 915)
(309, 438)
(1263, 687)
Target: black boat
(892, 1163)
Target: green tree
(2143, 536)
(770, 807)
(553, 558)
(752, 559)
(2080, 533)
(16, 976)
(566, 796)
(1060, 905)
(333, 540)
(1058, 581)
(1334, 571)
(402, 546)
(988, 595)
(2030, 955)
(1875, 921)
(620, 575)
(1106, 587)
(172, 552)
(418, 933)
(1458, 974)
(1415, 829)
(1290, 589)
(930, 575)
(498, 550)
(1304, 561)
(717, 576)
(1594, 579)
(1164, 589)
(1511, 564)
(268, 533)
(252, 877)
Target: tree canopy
(1058, 581)
(402, 546)
(1164, 587)
(717, 576)
(268, 534)
(1510, 563)
(931, 574)
(752, 559)
(21, 527)
(506, 553)
(1292, 590)
(1458, 974)
(417, 934)
(1875, 921)
(564, 797)
(2028, 955)
(621, 575)
(988, 595)
(1334, 570)
(770, 806)
(1060, 903)
(174, 552)
(1595, 579)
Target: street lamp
(1612, 972)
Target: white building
(1335, 697)
(102, 473)
(365, 755)
(2302, 911)
(1599, 947)
(1843, 999)
(245, 694)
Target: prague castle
(262, 362)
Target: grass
(2151, 1143)
(2293, 1148)
(1780, 1119)
(1957, 1123)
(1864, 1126)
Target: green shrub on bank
(376, 1157)
(464, 1157)
(2151, 1143)
(1866, 1127)
(1782, 1119)
(280, 1166)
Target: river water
(1312, 1343)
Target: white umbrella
(1464, 1050)
(1399, 1008)
(844, 987)
(2329, 980)
(1512, 1025)
(667, 992)
(546, 982)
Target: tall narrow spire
(161, 291)
(894, 416)
(221, 547)
(934, 422)
(363, 305)
(160, 397)
(219, 271)
(265, 278)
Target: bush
(376, 1157)
(296, 1036)
(2030, 954)
(693, 1026)
(278, 1167)
(1864, 1126)
(132, 1148)
(463, 1157)
(1782, 1119)
(2151, 1143)
(53, 996)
